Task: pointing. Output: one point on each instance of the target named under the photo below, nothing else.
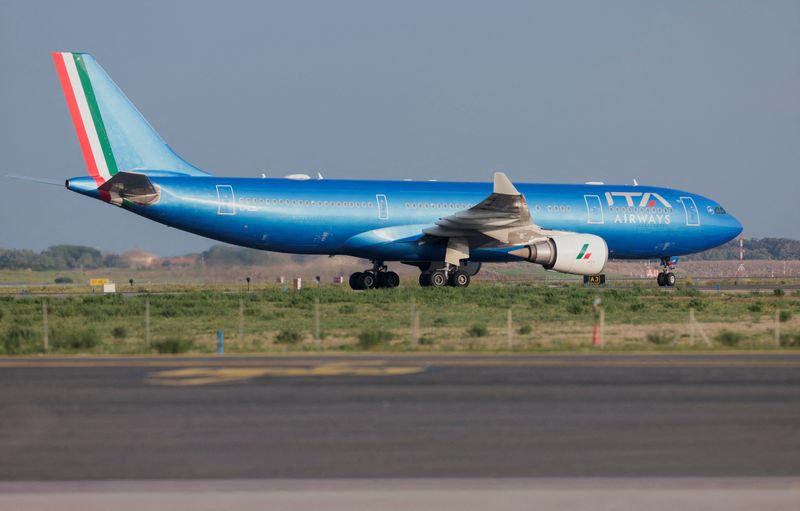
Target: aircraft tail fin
(113, 135)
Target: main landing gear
(666, 278)
(377, 278)
(444, 277)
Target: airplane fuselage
(383, 219)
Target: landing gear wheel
(459, 278)
(425, 279)
(660, 280)
(438, 278)
(669, 279)
(367, 280)
(388, 279)
(355, 281)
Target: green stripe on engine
(102, 136)
(583, 251)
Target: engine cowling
(579, 254)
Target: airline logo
(648, 199)
(584, 254)
(639, 208)
(86, 117)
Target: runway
(397, 416)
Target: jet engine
(580, 254)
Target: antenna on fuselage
(635, 182)
(319, 176)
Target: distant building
(188, 260)
(139, 259)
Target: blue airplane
(446, 229)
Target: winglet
(503, 186)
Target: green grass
(459, 319)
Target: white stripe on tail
(86, 115)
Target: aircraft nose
(735, 226)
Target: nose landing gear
(666, 278)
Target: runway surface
(419, 416)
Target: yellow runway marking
(208, 375)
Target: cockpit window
(719, 210)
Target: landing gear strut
(377, 278)
(666, 278)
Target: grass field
(272, 319)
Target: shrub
(173, 345)
(697, 304)
(525, 330)
(369, 339)
(64, 280)
(119, 332)
(790, 340)
(575, 307)
(784, 316)
(477, 330)
(427, 341)
(288, 336)
(18, 339)
(661, 338)
(755, 307)
(638, 306)
(75, 338)
(729, 338)
(778, 292)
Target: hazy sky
(703, 96)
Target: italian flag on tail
(86, 116)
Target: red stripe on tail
(75, 113)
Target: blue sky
(703, 96)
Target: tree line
(58, 257)
(70, 257)
(754, 248)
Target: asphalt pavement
(417, 416)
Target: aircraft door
(690, 208)
(383, 207)
(226, 205)
(594, 210)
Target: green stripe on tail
(102, 136)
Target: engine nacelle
(580, 254)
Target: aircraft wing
(502, 219)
